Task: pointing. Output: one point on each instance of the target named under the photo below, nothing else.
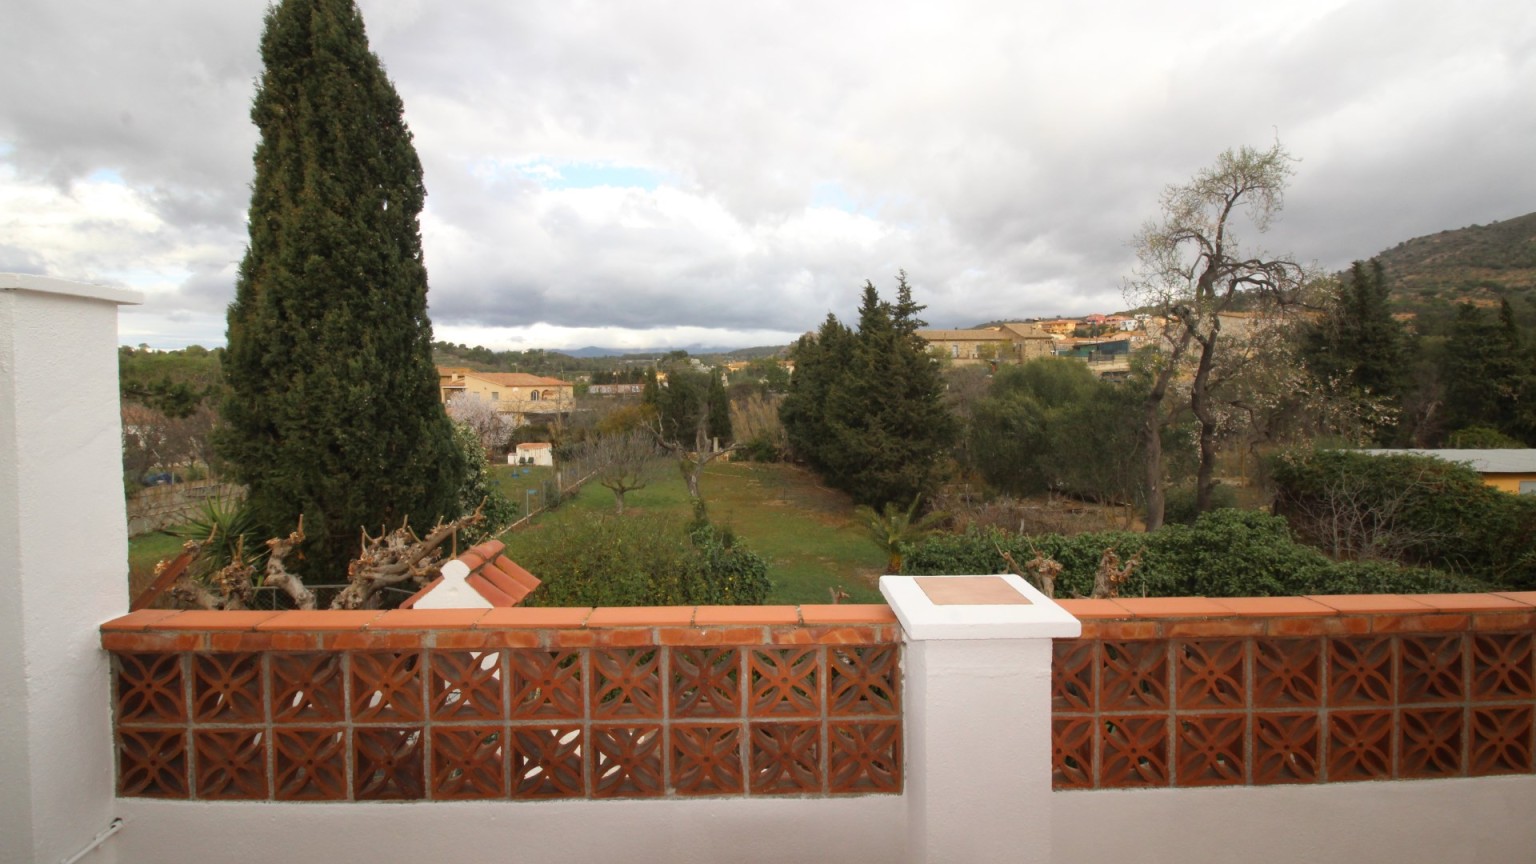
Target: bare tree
(489, 425)
(623, 462)
(1192, 269)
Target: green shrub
(1413, 510)
(1225, 553)
(641, 560)
(1179, 505)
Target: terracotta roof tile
(494, 576)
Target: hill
(1479, 264)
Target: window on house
(533, 395)
(1528, 487)
(495, 396)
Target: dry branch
(392, 558)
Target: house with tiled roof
(524, 398)
(481, 578)
(1003, 343)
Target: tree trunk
(1155, 494)
(1200, 404)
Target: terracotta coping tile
(1527, 597)
(1470, 602)
(425, 619)
(211, 619)
(489, 590)
(1267, 607)
(534, 617)
(1101, 608)
(846, 613)
(472, 559)
(320, 619)
(138, 620)
(640, 616)
(1173, 607)
(489, 549)
(501, 581)
(1363, 604)
(714, 615)
(516, 573)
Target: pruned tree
(1192, 269)
(386, 560)
(622, 462)
(692, 421)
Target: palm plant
(894, 529)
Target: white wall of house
(1447, 821)
(859, 830)
(63, 562)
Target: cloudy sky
(634, 174)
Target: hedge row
(1225, 553)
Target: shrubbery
(642, 560)
(1225, 553)
(1415, 510)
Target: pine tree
(333, 410)
(865, 409)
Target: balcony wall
(776, 723)
(1378, 728)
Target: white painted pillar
(977, 693)
(63, 563)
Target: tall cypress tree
(864, 409)
(333, 410)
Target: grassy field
(803, 529)
(800, 527)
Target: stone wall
(157, 507)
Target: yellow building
(1005, 343)
(524, 397)
(1512, 471)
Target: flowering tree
(482, 417)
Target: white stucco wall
(1488, 820)
(63, 562)
(863, 830)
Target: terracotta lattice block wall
(507, 704)
(1197, 692)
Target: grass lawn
(803, 529)
(517, 481)
(144, 552)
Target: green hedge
(1416, 510)
(1225, 553)
(641, 560)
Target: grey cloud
(1005, 155)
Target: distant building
(610, 390)
(524, 398)
(1004, 343)
(533, 453)
(1512, 471)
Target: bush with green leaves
(480, 490)
(1224, 553)
(640, 560)
(1415, 510)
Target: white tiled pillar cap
(1000, 606)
